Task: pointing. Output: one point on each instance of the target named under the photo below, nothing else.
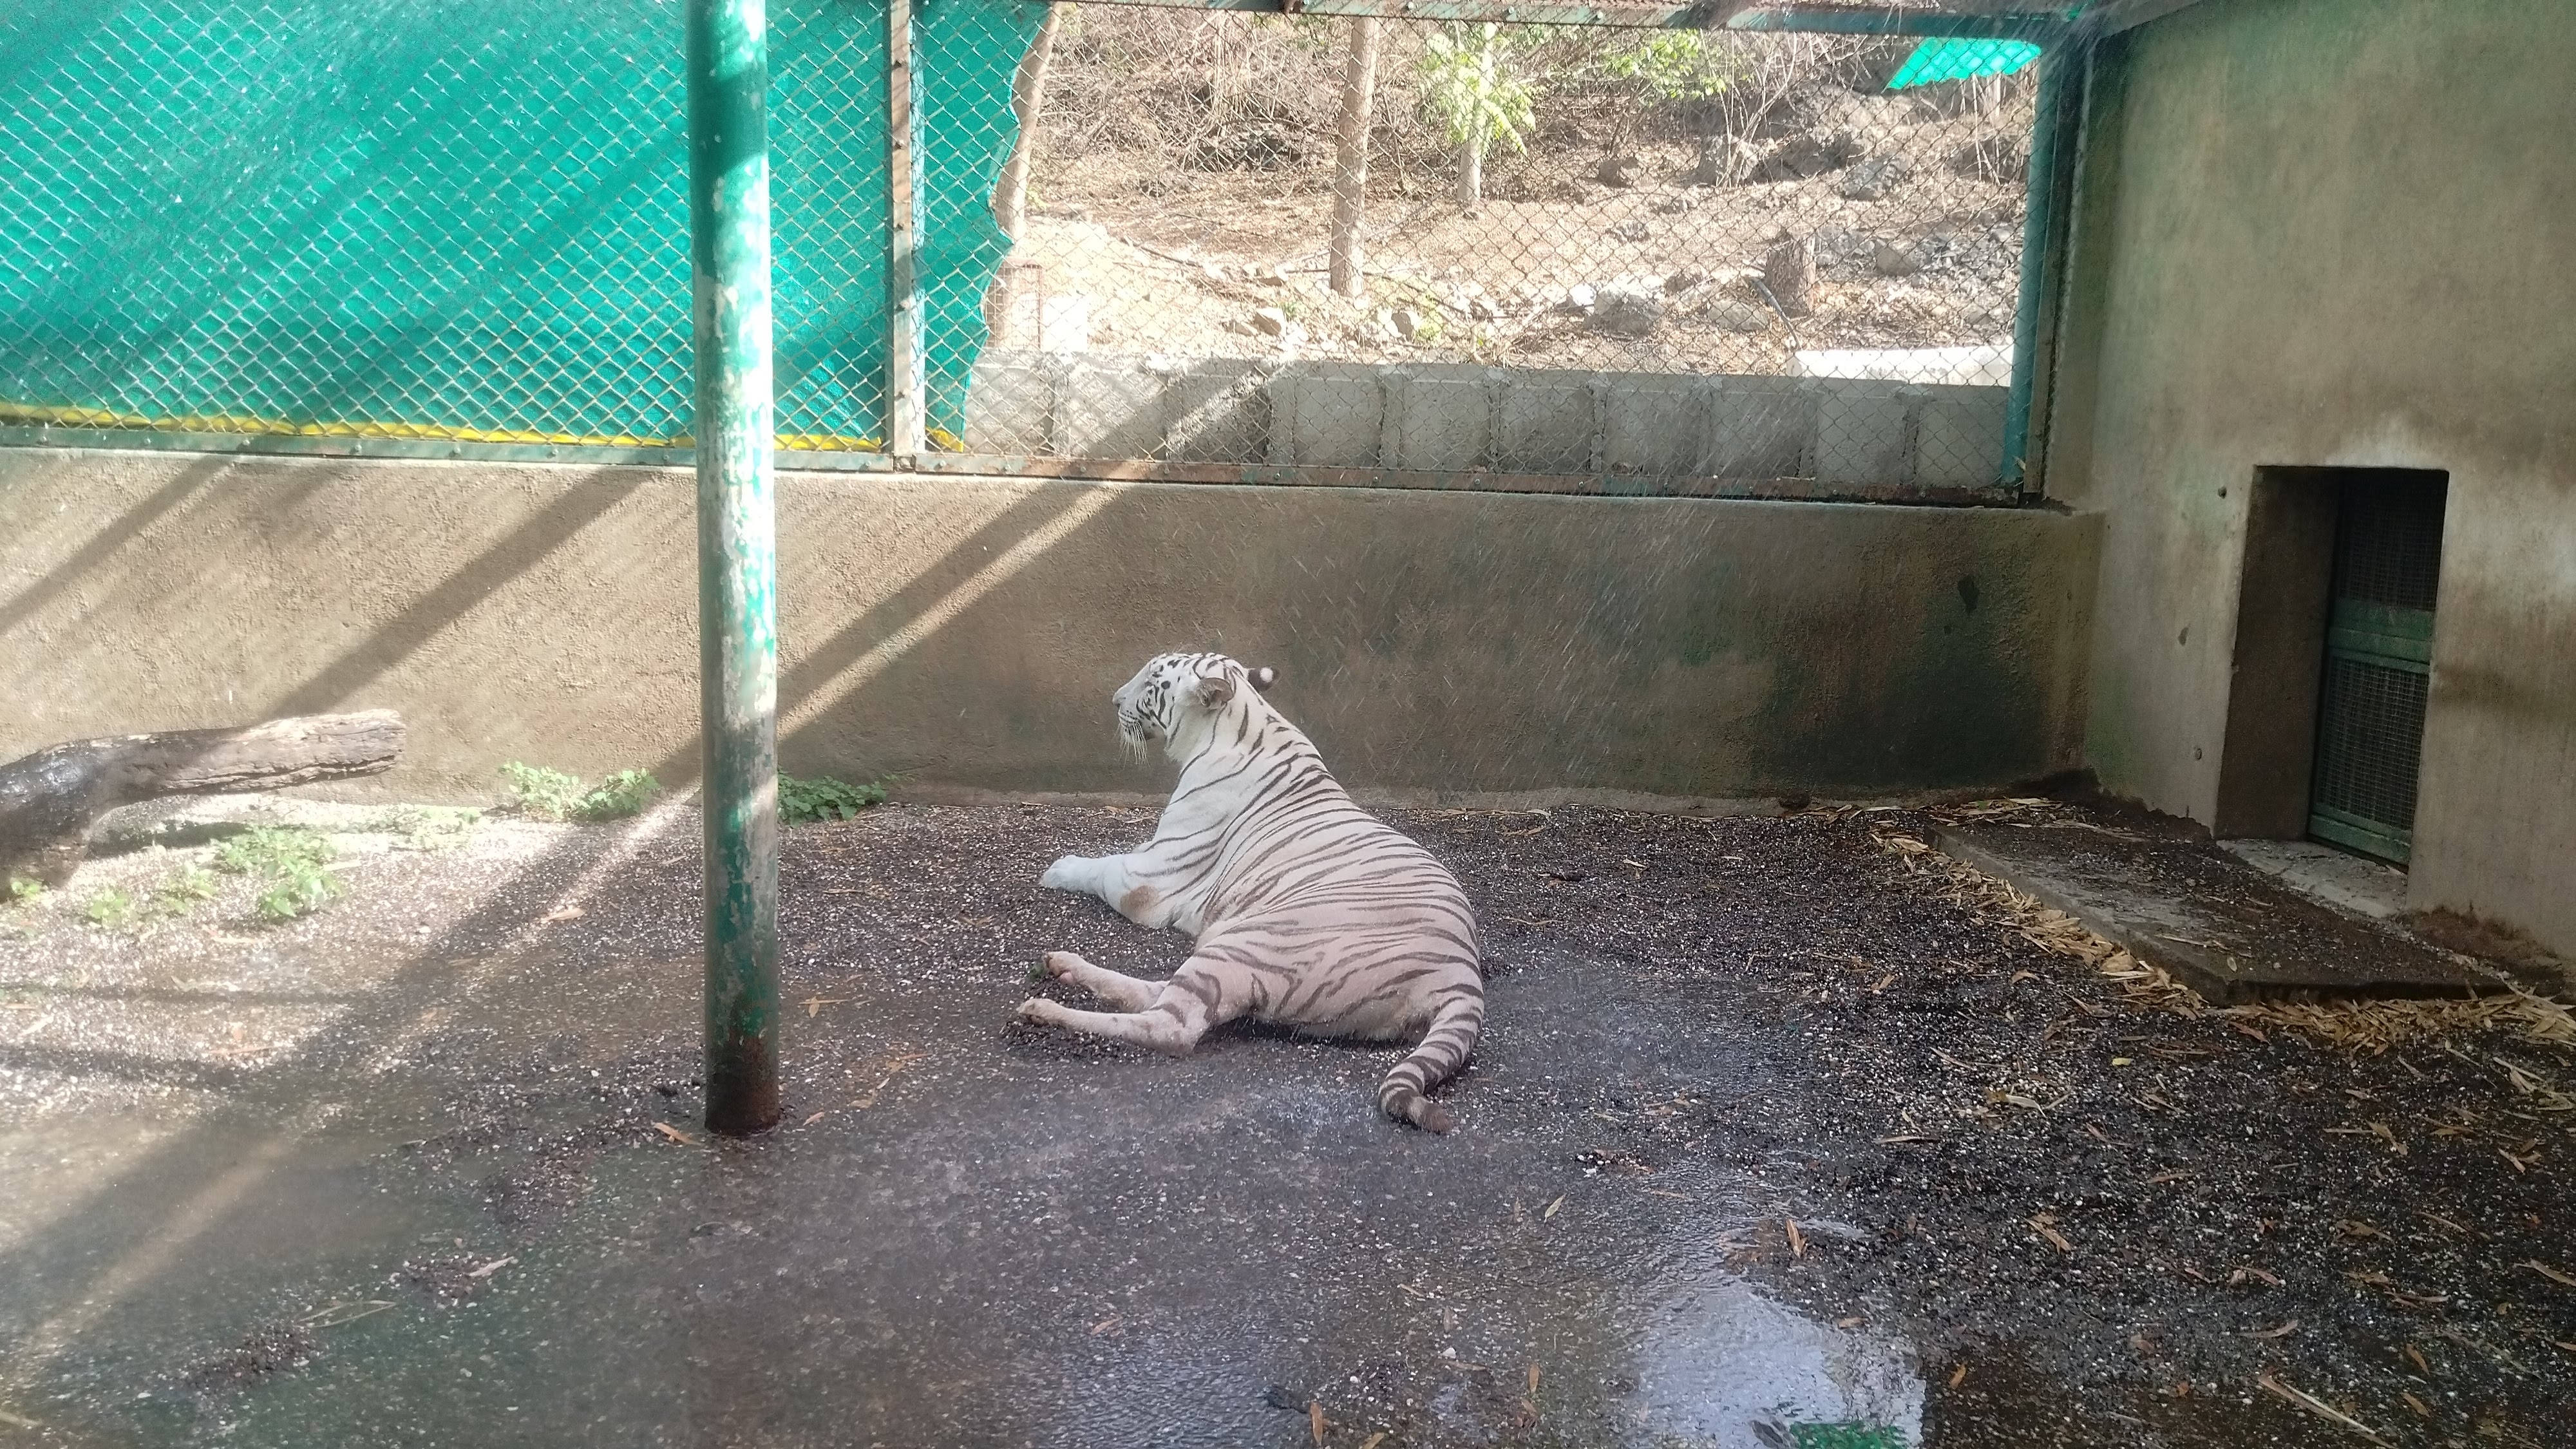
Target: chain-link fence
(1667, 256)
(1225, 245)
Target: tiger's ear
(1215, 691)
(1264, 677)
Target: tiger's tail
(1444, 1048)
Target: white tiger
(1308, 911)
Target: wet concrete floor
(425, 1169)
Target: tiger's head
(1173, 690)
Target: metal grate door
(2379, 660)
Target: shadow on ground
(426, 1169)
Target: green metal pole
(728, 66)
(2039, 223)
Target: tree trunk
(1471, 171)
(49, 800)
(1028, 96)
(1790, 273)
(1350, 162)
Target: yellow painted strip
(78, 417)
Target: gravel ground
(2044, 1210)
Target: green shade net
(1944, 60)
(465, 219)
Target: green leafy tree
(1471, 88)
(1681, 71)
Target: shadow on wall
(964, 634)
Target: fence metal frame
(2065, 45)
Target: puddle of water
(1725, 1367)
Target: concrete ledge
(2218, 925)
(1663, 431)
(1489, 649)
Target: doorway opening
(2378, 661)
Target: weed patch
(801, 802)
(555, 795)
(111, 908)
(293, 865)
(427, 827)
(184, 892)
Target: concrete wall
(1452, 418)
(2338, 232)
(966, 633)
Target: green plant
(1471, 89)
(617, 797)
(546, 794)
(428, 827)
(554, 795)
(297, 888)
(184, 892)
(1681, 71)
(1673, 67)
(292, 861)
(803, 801)
(24, 892)
(268, 849)
(111, 907)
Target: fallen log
(50, 799)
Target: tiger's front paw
(1039, 1009)
(1069, 873)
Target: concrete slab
(2338, 878)
(1959, 437)
(1011, 409)
(1762, 427)
(1328, 414)
(1862, 431)
(1545, 424)
(1108, 407)
(1657, 427)
(1216, 410)
(1443, 422)
(2171, 899)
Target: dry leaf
(562, 913)
(2552, 1274)
(1551, 1209)
(2284, 1331)
(1533, 1380)
(1855, 1321)
(1315, 1419)
(1958, 1375)
(495, 1266)
(810, 1121)
(1884, 982)
(2165, 1177)
(2046, 1226)
(1908, 1137)
(675, 1134)
(2316, 1406)
(2415, 1356)
(1374, 1440)
(814, 1004)
(1797, 1240)
(1107, 1325)
(2422, 1410)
